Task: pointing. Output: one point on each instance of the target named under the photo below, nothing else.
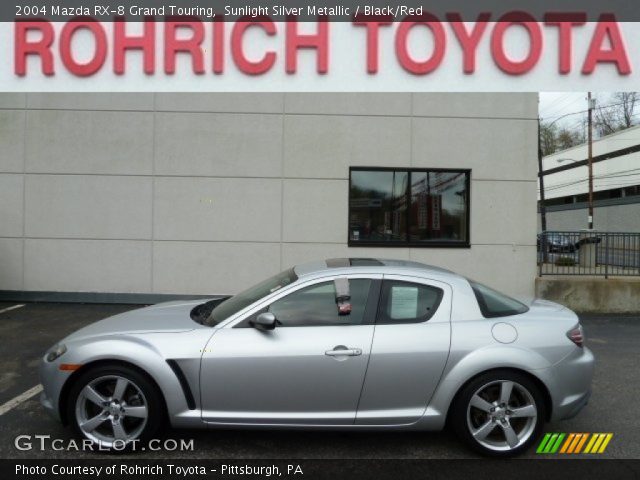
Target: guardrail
(591, 253)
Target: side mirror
(265, 321)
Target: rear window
(495, 304)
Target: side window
(404, 302)
(339, 302)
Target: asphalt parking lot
(27, 332)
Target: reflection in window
(378, 206)
(414, 207)
(324, 305)
(438, 206)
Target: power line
(558, 117)
(560, 104)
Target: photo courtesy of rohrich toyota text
(319, 240)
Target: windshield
(495, 304)
(249, 296)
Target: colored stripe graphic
(582, 442)
(596, 445)
(550, 443)
(567, 442)
(573, 443)
(543, 443)
(556, 446)
(594, 437)
(599, 443)
(607, 439)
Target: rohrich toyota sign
(368, 53)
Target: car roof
(371, 265)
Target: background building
(616, 185)
(207, 193)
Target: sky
(555, 104)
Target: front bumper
(52, 380)
(48, 406)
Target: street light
(591, 105)
(560, 160)
(589, 162)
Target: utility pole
(591, 106)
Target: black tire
(464, 416)
(141, 391)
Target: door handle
(341, 351)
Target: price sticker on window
(404, 302)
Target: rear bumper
(577, 406)
(570, 383)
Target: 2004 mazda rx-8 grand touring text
(339, 344)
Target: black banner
(477, 469)
(307, 10)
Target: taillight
(576, 335)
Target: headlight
(56, 352)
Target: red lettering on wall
(468, 40)
(418, 67)
(506, 64)
(296, 41)
(251, 67)
(190, 45)
(123, 42)
(565, 23)
(41, 47)
(218, 46)
(66, 50)
(373, 29)
(607, 28)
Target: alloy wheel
(502, 415)
(111, 410)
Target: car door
(308, 370)
(409, 351)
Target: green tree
(568, 138)
(548, 138)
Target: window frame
(466, 243)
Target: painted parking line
(14, 402)
(8, 309)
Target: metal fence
(604, 254)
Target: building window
(409, 207)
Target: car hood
(169, 317)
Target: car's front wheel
(500, 413)
(115, 406)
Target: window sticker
(404, 302)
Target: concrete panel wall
(89, 142)
(591, 295)
(206, 193)
(615, 218)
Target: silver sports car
(339, 344)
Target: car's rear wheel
(115, 407)
(500, 413)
